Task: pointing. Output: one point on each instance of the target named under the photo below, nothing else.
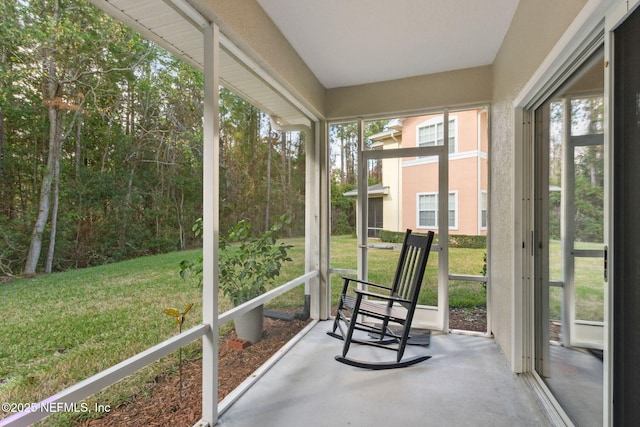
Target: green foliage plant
(180, 317)
(248, 264)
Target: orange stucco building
(411, 199)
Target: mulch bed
(468, 319)
(164, 405)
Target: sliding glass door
(569, 263)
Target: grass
(588, 282)
(382, 263)
(61, 328)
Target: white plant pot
(249, 325)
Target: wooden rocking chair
(390, 305)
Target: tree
(74, 50)
(104, 135)
(64, 62)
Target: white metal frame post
(211, 224)
(312, 219)
(443, 226)
(363, 203)
(323, 306)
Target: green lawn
(382, 263)
(589, 283)
(60, 328)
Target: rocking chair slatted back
(411, 266)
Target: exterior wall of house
(391, 203)
(459, 87)
(247, 25)
(465, 165)
(536, 28)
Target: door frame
(586, 32)
(436, 318)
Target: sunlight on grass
(588, 281)
(61, 328)
(382, 264)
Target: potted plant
(248, 266)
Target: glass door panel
(468, 218)
(403, 173)
(343, 158)
(569, 224)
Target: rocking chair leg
(345, 286)
(335, 322)
(381, 365)
(336, 325)
(352, 326)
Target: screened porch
(488, 378)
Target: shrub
(455, 240)
(248, 265)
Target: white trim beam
(210, 224)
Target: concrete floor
(466, 383)
(576, 379)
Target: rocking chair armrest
(364, 282)
(393, 298)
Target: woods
(101, 145)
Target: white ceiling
(344, 42)
(350, 42)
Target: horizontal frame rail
(235, 312)
(343, 271)
(468, 278)
(110, 376)
(97, 382)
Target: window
(428, 210)
(431, 133)
(453, 212)
(483, 209)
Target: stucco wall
(463, 171)
(536, 28)
(460, 87)
(247, 25)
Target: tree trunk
(283, 171)
(78, 158)
(122, 238)
(2, 156)
(54, 209)
(180, 218)
(45, 195)
(3, 183)
(343, 154)
(266, 213)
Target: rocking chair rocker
(396, 305)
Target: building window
(453, 211)
(483, 209)
(428, 210)
(431, 133)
